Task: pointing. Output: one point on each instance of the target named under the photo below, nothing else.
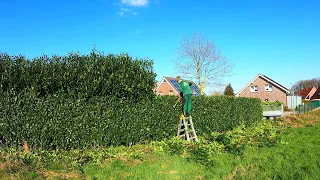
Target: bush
(59, 122)
(260, 134)
(78, 77)
(96, 100)
(264, 133)
(274, 103)
(219, 113)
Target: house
(265, 89)
(307, 93)
(169, 86)
(316, 95)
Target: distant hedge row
(60, 122)
(78, 76)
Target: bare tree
(200, 60)
(300, 85)
(215, 93)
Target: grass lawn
(295, 155)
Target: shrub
(77, 76)
(260, 134)
(273, 103)
(96, 100)
(219, 113)
(59, 122)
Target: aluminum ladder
(186, 129)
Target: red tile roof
(305, 92)
(316, 95)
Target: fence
(294, 101)
(308, 106)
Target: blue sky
(280, 39)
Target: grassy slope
(296, 156)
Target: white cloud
(124, 11)
(135, 2)
(129, 7)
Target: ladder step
(186, 130)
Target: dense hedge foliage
(59, 122)
(78, 76)
(96, 100)
(219, 113)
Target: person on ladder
(186, 95)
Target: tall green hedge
(78, 76)
(99, 100)
(59, 122)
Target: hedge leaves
(99, 100)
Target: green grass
(157, 166)
(295, 155)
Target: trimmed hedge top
(77, 76)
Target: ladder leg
(179, 128)
(193, 130)
(187, 137)
(186, 130)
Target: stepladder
(186, 129)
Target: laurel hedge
(96, 100)
(60, 122)
(79, 76)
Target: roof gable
(174, 84)
(165, 80)
(316, 95)
(266, 79)
(307, 92)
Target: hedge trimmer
(177, 102)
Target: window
(254, 88)
(268, 87)
(170, 92)
(160, 93)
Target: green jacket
(184, 87)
